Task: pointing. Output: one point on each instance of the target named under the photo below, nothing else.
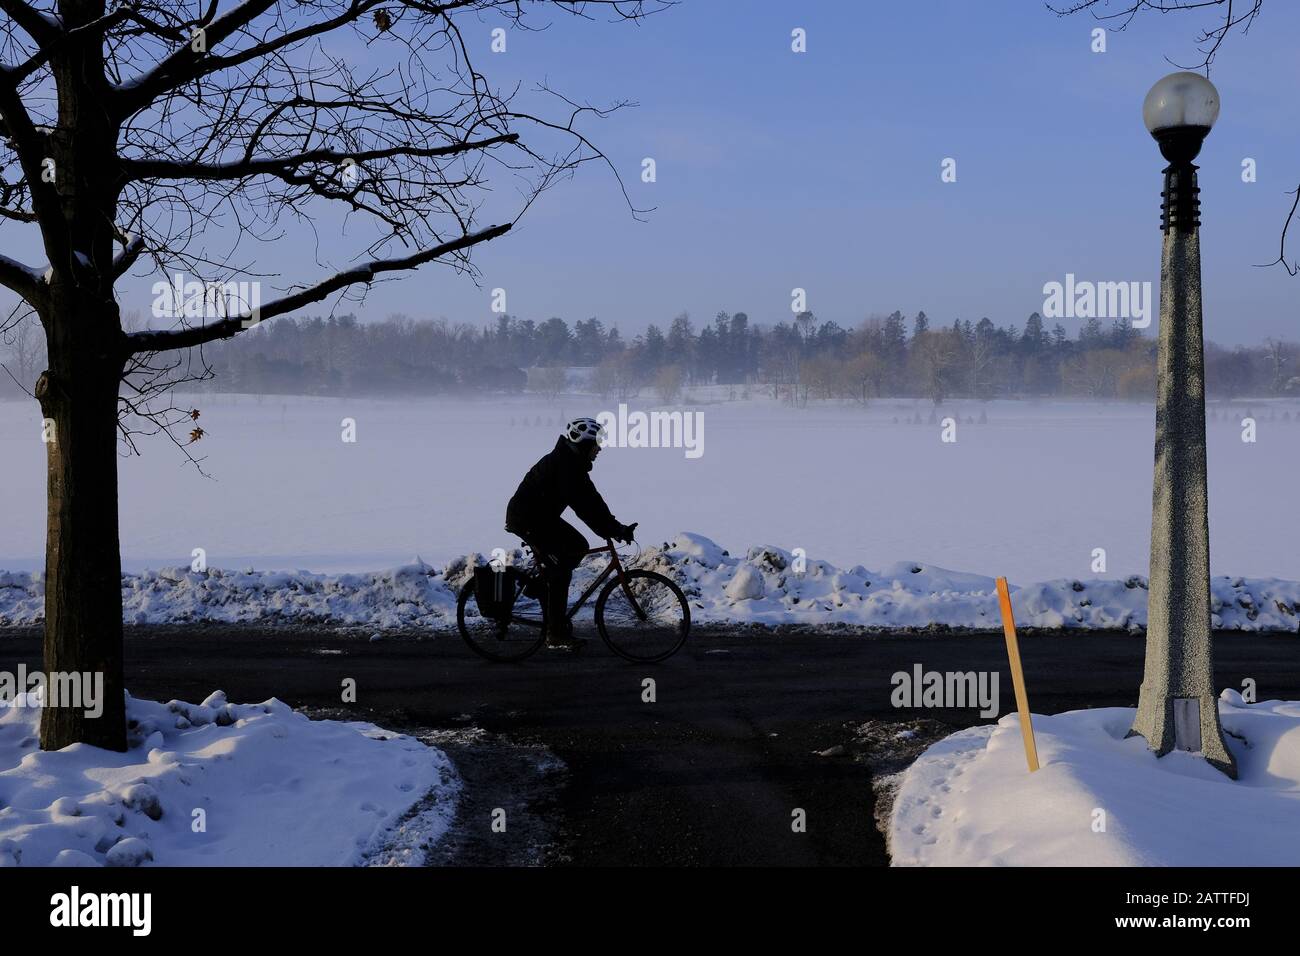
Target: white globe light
(1181, 99)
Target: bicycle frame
(614, 567)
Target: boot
(561, 637)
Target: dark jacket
(561, 479)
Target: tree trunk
(83, 569)
(79, 390)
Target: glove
(625, 532)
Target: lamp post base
(1183, 723)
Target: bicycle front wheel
(643, 616)
(501, 640)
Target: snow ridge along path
(767, 586)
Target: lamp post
(1177, 706)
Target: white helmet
(584, 429)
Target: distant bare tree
(1278, 354)
(825, 376)
(624, 380)
(1096, 373)
(668, 383)
(980, 363)
(936, 358)
(549, 382)
(21, 333)
(865, 376)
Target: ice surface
(1029, 495)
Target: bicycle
(641, 615)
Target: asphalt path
(740, 736)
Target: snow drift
(219, 784)
(1100, 799)
(768, 586)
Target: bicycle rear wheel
(508, 640)
(643, 616)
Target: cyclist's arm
(588, 505)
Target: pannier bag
(495, 591)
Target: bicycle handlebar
(631, 535)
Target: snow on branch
(22, 279)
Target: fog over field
(1028, 494)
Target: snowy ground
(1030, 494)
(220, 784)
(764, 585)
(969, 800)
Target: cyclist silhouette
(562, 479)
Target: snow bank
(215, 784)
(968, 800)
(768, 585)
(413, 595)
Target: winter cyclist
(561, 479)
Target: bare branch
(41, 27)
(157, 341)
(281, 166)
(1207, 41)
(131, 250)
(22, 279)
(185, 65)
(1293, 267)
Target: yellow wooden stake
(1017, 675)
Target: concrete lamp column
(1177, 706)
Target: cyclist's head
(585, 436)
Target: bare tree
(824, 376)
(1096, 373)
(549, 382)
(668, 383)
(21, 333)
(170, 137)
(1278, 359)
(617, 376)
(980, 362)
(936, 358)
(866, 374)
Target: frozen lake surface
(1030, 494)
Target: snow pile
(969, 800)
(413, 595)
(215, 784)
(769, 586)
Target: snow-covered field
(1029, 494)
(220, 784)
(763, 585)
(969, 800)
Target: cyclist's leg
(560, 546)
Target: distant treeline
(795, 361)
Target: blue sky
(821, 170)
